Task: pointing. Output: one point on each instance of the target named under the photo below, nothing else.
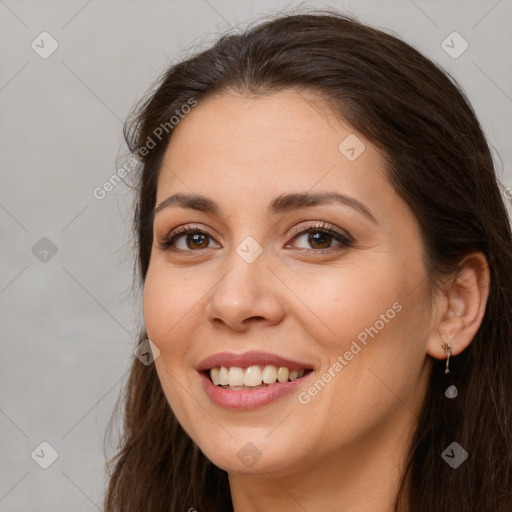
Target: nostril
(253, 319)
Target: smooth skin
(306, 297)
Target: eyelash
(345, 241)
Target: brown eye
(196, 240)
(186, 239)
(321, 239)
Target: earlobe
(462, 307)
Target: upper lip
(247, 359)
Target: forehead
(241, 147)
(257, 126)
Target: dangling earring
(451, 391)
(447, 350)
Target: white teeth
(223, 376)
(236, 376)
(253, 376)
(283, 374)
(214, 374)
(269, 374)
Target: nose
(248, 294)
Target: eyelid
(323, 225)
(188, 227)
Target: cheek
(345, 302)
(157, 305)
(374, 363)
(382, 347)
(168, 313)
(167, 301)
(374, 317)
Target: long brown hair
(438, 161)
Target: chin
(253, 453)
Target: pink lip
(248, 399)
(249, 359)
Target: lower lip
(249, 399)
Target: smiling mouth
(253, 377)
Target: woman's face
(251, 293)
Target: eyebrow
(279, 205)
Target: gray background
(69, 323)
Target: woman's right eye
(190, 238)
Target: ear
(460, 307)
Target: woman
(325, 256)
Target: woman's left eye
(319, 238)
